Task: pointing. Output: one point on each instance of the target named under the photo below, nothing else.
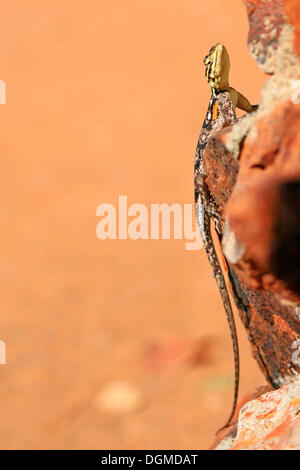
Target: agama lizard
(221, 113)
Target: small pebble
(119, 397)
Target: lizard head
(217, 66)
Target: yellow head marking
(217, 66)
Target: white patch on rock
(232, 248)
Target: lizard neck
(217, 91)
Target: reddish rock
(264, 207)
(221, 168)
(270, 422)
(272, 326)
(266, 18)
(231, 431)
(292, 10)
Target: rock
(270, 422)
(291, 8)
(253, 173)
(266, 19)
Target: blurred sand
(107, 98)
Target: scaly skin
(220, 114)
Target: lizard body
(221, 113)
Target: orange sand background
(107, 98)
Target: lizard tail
(218, 274)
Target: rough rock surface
(270, 422)
(254, 175)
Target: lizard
(221, 113)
